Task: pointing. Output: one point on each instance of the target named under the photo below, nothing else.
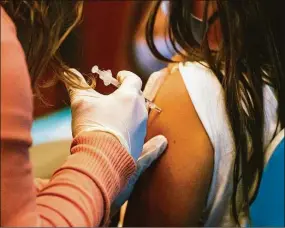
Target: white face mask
(198, 30)
(196, 23)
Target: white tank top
(207, 96)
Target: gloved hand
(122, 113)
(152, 149)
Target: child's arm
(174, 191)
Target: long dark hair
(251, 54)
(46, 24)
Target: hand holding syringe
(108, 79)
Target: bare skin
(174, 191)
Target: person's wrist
(108, 144)
(101, 156)
(121, 139)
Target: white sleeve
(207, 97)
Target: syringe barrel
(115, 82)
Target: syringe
(106, 77)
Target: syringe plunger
(106, 77)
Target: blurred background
(112, 37)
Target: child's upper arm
(173, 192)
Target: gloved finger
(152, 150)
(86, 89)
(154, 82)
(81, 80)
(129, 81)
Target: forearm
(79, 193)
(91, 177)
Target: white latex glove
(152, 149)
(122, 113)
